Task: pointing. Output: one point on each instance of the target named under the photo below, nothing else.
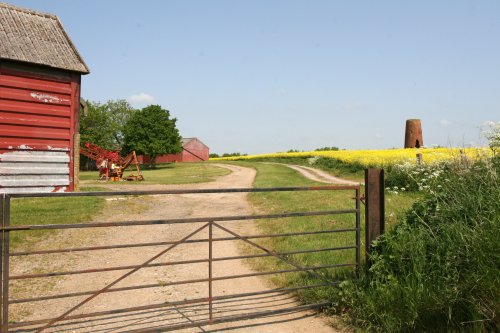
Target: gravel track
(320, 175)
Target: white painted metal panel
(35, 156)
(34, 171)
(25, 180)
(46, 189)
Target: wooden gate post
(374, 208)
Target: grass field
(170, 173)
(49, 211)
(273, 175)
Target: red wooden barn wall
(38, 119)
(194, 151)
(197, 148)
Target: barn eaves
(37, 38)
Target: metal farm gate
(206, 230)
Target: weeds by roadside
(439, 269)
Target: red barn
(40, 72)
(193, 150)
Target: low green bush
(412, 177)
(439, 269)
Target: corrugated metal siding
(34, 171)
(36, 133)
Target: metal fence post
(358, 230)
(2, 199)
(210, 277)
(5, 261)
(374, 208)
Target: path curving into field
(320, 175)
(149, 208)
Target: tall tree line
(116, 125)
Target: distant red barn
(193, 150)
(40, 71)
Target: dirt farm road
(147, 208)
(320, 175)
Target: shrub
(439, 269)
(414, 177)
(327, 149)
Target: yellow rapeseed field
(378, 158)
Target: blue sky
(266, 76)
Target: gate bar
(174, 263)
(218, 239)
(229, 318)
(175, 303)
(156, 285)
(2, 199)
(5, 269)
(207, 221)
(260, 247)
(187, 191)
(358, 231)
(175, 221)
(210, 278)
(96, 293)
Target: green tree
(119, 113)
(327, 149)
(95, 126)
(103, 124)
(151, 131)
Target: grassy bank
(439, 269)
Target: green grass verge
(49, 211)
(170, 173)
(274, 175)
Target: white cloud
(141, 99)
(444, 122)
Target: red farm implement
(111, 164)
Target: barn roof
(185, 141)
(39, 38)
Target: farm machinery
(111, 164)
